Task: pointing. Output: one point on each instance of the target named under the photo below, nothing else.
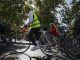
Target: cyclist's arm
(30, 19)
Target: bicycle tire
(43, 44)
(22, 45)
(69, 45)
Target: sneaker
(37, 42)
(35, 47)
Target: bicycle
(49, 44)
(48, 47)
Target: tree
(46, 7)
(74, 10)
(11, 11)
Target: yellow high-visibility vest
(35, 23)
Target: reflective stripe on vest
(35, 22)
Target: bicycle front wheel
(22, 44)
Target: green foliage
(45, 8)
(11, 11)
(71, 13)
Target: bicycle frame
(44, 34)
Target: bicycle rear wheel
(46, 48)
(72, 47)
(22, 44)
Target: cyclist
(34, 23)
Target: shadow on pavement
(20, 56)
(7, 54)
(15, 56)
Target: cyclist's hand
(25, 29)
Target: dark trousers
(34, 33)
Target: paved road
(8, 55)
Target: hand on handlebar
(24, 28)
